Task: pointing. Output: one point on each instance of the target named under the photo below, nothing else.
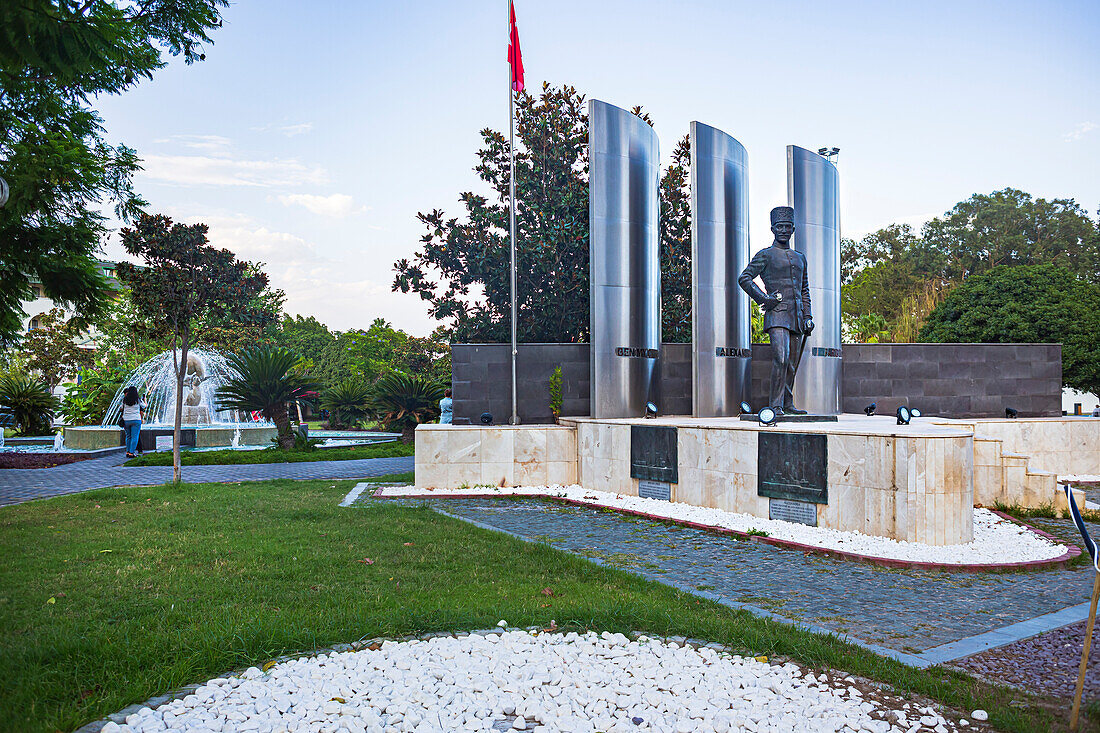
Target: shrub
(29, 401)
(401, 402)
(555, 393)
(269, 379)
(86, 402)
(347, 402)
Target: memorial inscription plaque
(653, 453)
(655, 490)
(792, 466)
(802, 512)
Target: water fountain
(204, 422)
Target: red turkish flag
(515, 58)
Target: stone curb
(1071, 552)
(355, 646)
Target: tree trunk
(181, 372)
(408, 434)
(282, 424)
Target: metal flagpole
(1084, 656)
(1094, 552)
(512, 215)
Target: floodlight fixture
(650, 410)
(745, 409)
(766, 416)
(914, 412)
(869, 410)
(822, 151)
(904, 415)
(486, 418)
(1011, 413)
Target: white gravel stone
(979, 715)
(531, 682)
(996, 540)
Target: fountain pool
(205, 423)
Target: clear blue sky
(313, 133)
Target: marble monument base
(857, 473)
(754, 417)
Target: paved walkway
(19, 485)
(922, 616)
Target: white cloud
(202, 170)
(1079, 131)
(289, 130)
(212, 144)
(336, 205)
(341, 293)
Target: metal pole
(1085, 655)
(512, 216)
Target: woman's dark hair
(446, 393)
(130, 395)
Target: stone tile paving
(905, 610)
(19, 485)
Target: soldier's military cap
(782, 214)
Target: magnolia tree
(184, 281)
(462, 267)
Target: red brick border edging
(1072, 551)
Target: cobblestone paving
(1046, 664)
(906, 610)
(19, 485)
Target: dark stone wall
(948, 380)
(481, 380)
(954, 380)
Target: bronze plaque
(653, 453)
(792, 466)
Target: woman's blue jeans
(133, 430)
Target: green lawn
(274, 455)
(109, 597)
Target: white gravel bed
(996, 540)
(545, 683)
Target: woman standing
(132, 405)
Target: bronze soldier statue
(786, 305)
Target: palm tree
(403, 401)
(348, 401)
(269, 378)
(30, 402)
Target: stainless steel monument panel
(813, 189)
(624, 266)
(721, 333)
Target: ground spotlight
(914, 412)
(766, 416)
(745, 409)
(650, 410)
(869, 410)
(1011, 413)
(486, 418)
(904, 415)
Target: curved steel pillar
(813, 189)
(721, 333)
(624, 266)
